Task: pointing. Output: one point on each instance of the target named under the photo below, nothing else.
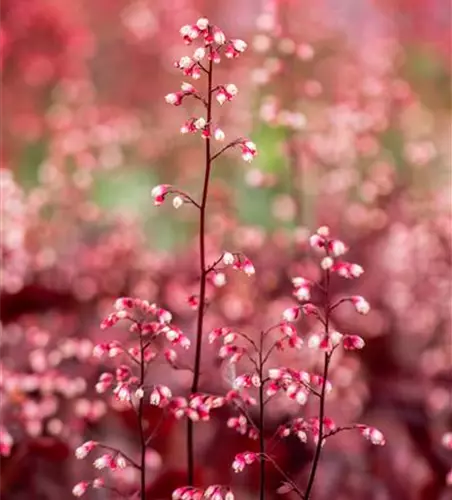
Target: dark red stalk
(203, 272)
(140, 423)
(261, 419)
(327, 359)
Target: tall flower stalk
(213, 46)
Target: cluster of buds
(329, 342)
(197, 407)
(82, 487)
(226, 93)
(6, 442)
(290, 334)
(333, 249)
(160, 396)
(242, 426)
(214, 44)
(446, 441)
(213, 492)
(238, 262)
(372, 434)
(301, 427)
(112, 461)
(241, 460)
(296, 384)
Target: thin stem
(140, 423)
(118, 452)
(327, 359)
(203, 279)
(261, 419)
(286, 477)
(225, 148)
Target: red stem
(261, 419)
(140, 423)
(203, 272)
(327, 359)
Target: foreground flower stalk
(214, 46)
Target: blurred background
(349, 104)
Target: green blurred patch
(32, 155)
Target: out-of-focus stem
(327, 359)
(203, 272)
(140, 423)
(261, 419)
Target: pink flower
(347, 270)
(82, 451)
(353, 342)
(248, 267)
(105, 461)
(218, 36)
(159, 192)
(373, 435)
(80, 489)
(446, 440)
(243, 459)
(361, 304)
(6, 442)
(291, 314)
(337, 248)
(249, 151)
(226, 93)
(174, 98)
(235, 48)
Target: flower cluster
(197, 407)
(214, 44)
(213, 492)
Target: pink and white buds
(302, 288)
(226, 93)
(174, 98)
(218, 36)
(243, 459)
(188, 88)
(228, 259)
(326, 263)
(446, 440)
(82, 451)
(178, 201)
(337, 248)
(199, 54)
(235, 48)
(219, 135)
(159, 192)
(80, 488)
(6, 442)
(353, 342)
(373, 435)
(160, 396)
(249, 151)
(291, 314)
(348, 270)
(323, 231)
(361, 304)
(248, 267)
(202, 23)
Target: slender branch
(261, 419)
(140, 424)
(222, 150)
(119, 452)
(338, 303)
(327, 359)
(156, 428)
(203, 279)
(286, 477)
